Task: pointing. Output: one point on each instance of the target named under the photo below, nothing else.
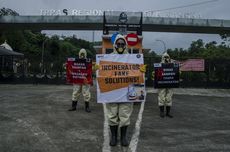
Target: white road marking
(106, 146)
(135, 136)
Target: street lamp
(163, 44)
(42, 60)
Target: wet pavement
(35, 118)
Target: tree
(7, 11)
(195, 48)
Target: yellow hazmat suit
(79, 89)
(165, 94)
(119, 113)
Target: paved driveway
(34, 118)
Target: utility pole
(42, 60)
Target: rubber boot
(87, 107)
(113, 140)
(162, 111)
(74, 106)
(168, 112)
(124, 141)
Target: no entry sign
(132, 39)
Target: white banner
(119, 78)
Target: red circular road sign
(132, 39)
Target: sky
(206, 9)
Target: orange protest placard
(119, 78)
(116, 75)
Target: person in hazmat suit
(119, 113)
(79, 89)
(165, 94)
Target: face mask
(120, 50)
(166, 60)
(82, 55)
(120, 46)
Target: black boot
(162, 111)
(113, 140)
(74, 105)
(87, 107)
(168, 112)
(124, 141)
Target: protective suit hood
(82, 52)
(165, 58)
(120, 49)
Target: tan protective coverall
(83, 89)
(165, 94)
(119, 113)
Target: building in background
(11, 62)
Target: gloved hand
(143, 68)
(153, 75)
(96, 67)
(85, 81)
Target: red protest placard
(79, 71)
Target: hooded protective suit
(81, 88)
(165, 95)
(119, 113)
(84, 89)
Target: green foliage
(7, 11)
(56, 49)
(193, 76)
(198, 49)
(217, 59)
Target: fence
(216, 74)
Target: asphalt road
(34, 118)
